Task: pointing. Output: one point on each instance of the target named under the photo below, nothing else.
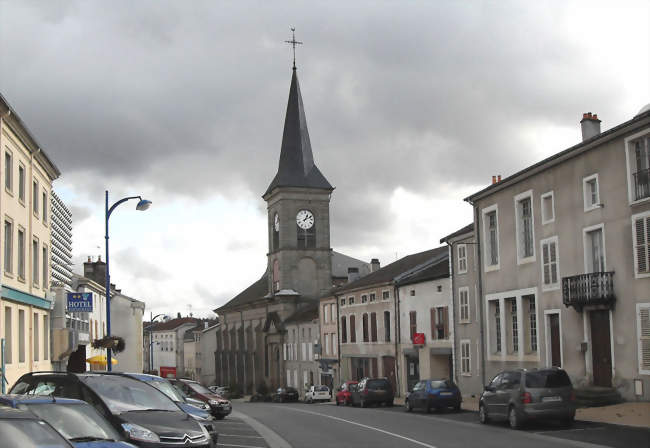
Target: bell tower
(298, 198)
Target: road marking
(272, 438)
(239, 435)
(399, 436)
(240, 446)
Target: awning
(101, 360)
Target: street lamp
(151, 340)
(143, 204)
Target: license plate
(446, 394)
(551, 399)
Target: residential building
(168, 345)
(193, 353)
(26, 175)
(468, 352)
(301, 265)
(327, 352)
(126, 322)
(423, 303)
(61, 242)
(208, 349)
(564, 261)
(298, 350)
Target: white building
(168, 345)
(208, 348)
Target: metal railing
(596, 288)
(642, 184)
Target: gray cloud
(137, 266)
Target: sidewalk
(630, 413)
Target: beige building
(26, 175)
(565, 261)
(328, 358)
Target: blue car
(434, 394)
(75, 420)
(197, 409)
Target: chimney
(499, 178)
(494, 180)
(95, 271)
(353, 274)
(374, 265)
(590, 126)
(178, 316)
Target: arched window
(373, 327)
(275, 230)
(276, 275)
(364, 322)
(353, 329)
(344, 330)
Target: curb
(272, 438)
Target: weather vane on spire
(293, 43)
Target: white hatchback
(318, 393)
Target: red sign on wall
(418, 339)
(168, 372)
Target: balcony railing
(596, 288)
(642, 184)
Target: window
(326, 313)
(364, 327)
(594, 244)
(36, 338)
(21, 254)
(275, 230)
(441, 322)
(548, 207)
(372, 297)
(462, 258)
(327, 344)
(524, 227)
(643, 335)
(276, 275)
(351, 300)
(641, 242)
(373, 327)
(8, 171)
(497, 327)
(333, 343)
(590, 192)
(385, 295)
(439, 288)
(8, 336)
(465, 357)
(44, 208)
(8, 252)
(387, 326)
(35, 197)
(35, 262)
(353, 329)
(45, 270)
(550, 268)
(532, 322)
(514, 324)
(333, 312)
(343, 302)
(413, 324)
(21, 336)
(364, 298)
(638, 166)
(21, 183)
(463, 300)
(491, 229)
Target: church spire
(296, 167)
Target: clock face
(276, 222)
(305, 219)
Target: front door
(601, 348)
(554, 323)
(412, 371)
(389, 371)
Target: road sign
(80, 302)
(418, 339)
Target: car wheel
(513, 419)
(483, 414)
(219, 417)
(457, 407)
(568, 422)
(408, 407)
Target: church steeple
(296, 167)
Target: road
(326, 425)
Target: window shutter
(642, 244)
(445, 317)
(553, 259)
(284, 351)
(546, 264)
(373, 327)
(433, 323)
(644, 317)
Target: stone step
(597, 396)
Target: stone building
(298, 352)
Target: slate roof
(468, 228)
(296, 167)
(438, 268)
(254, 292)
(305, 313)
(391, 271)
(341, 263)
(174, 323)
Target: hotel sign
(80, 302)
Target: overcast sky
(411, 106)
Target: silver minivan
(529, 394)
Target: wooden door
(554, 323)
(601, 348)
(389, 371)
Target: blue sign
(80, 302)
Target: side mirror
(489, 389)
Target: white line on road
(240, 446)
(399, 436)
(272, 438)
(240, 435)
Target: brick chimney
(374, 265)
(590, 126)
(95, 271)
(353, 274)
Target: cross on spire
(293, 43)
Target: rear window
(377, 384)
(321, 388)
(547, 379)
(440, 384)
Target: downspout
(397, 338)
(453, 312)
(338, 338)
(479, 269)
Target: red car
(343, 394)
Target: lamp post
(143, 204)
(151, 340)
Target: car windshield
(66, 419)
(169, 390)
(321, 388)
(30, 434)
(547, 379)
(196, 387)
(126, 394)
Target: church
(301, 265)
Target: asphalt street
(326, 425)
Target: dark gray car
(372, 391)
(522, 395)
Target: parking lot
(235, 432)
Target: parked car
(372, 390)
(146, 416)
(25, 430)
(343, 395)
(522, 395)
(75, 420)
(286, 394)
(219, 406)
(318, 393)
(433, 394)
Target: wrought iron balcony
(596, 288)
(642, 184)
